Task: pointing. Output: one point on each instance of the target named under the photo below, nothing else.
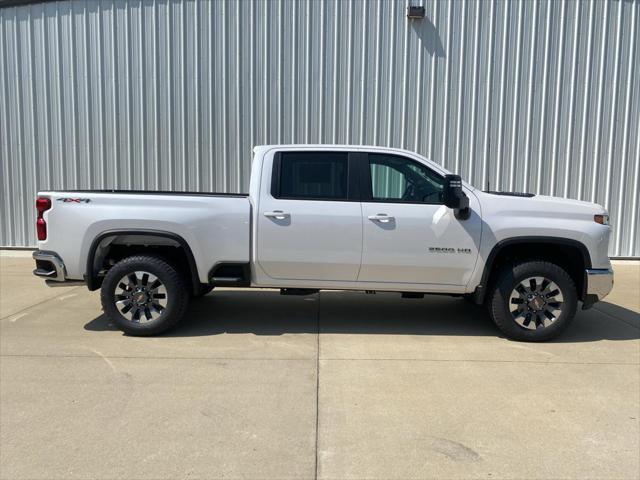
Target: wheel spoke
(545, 284)
(140, 296)
(159, 308)
(124, 305)
(535, 302)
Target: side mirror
(454, 197)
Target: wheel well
(572, 257)
(108, 249)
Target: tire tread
(504, 281)
(180, 300)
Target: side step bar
(412, 295)
(298, 291)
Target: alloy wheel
(536, 302)
(140, 297)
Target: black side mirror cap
(454, 197)
(452, 194)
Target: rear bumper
(51, 267)
(598, 284)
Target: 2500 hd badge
(448, 250)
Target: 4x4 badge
(74, 200)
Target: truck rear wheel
(533, 301)
(144, 295)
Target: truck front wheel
(144, 295)
(533, 301)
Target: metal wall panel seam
(363, 77)
(474, 90)
(18, 186)
(390, 71)
(515, 100)
(501, 116)
(527, 141)
(614, 102)
(7, 219)
(307, 77)
(585, 101)
(487, 106)
(405, 68)
(625, 129)
(238, 112)
(32, 170)
(599, 111)
(543, 115)
(376, 76)
(445, 129)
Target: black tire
(176, 297)
(500, 303)
(202, 291)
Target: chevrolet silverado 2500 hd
(330, 217)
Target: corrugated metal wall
(522, 95)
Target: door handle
(381, 217)
(277, 214)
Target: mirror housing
(454, 197)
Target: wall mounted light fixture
(415, 12)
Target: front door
(409, 236)
(308, 226)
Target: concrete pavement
(337, 385)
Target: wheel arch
(95, 258)
(572, 255)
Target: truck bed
(216, 226)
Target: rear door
(410, 236)
(309, 217)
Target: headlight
(601, 219)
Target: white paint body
(325, 244)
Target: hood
(540, 205)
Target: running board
(298, 291)
(412, 295)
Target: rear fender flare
(91, 274)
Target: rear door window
(311, 176)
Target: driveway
(336, 385)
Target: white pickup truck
(330, 217)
